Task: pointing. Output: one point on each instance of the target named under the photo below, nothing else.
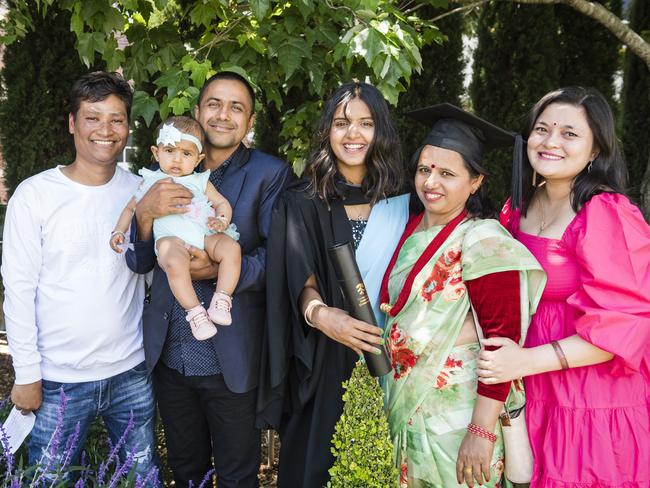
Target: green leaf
(87, 44)
(292, 23)
(144, 106)
(113, 20)
(366, 15)
(130, 4)
(160, 4)
(174, 80)
(113, 56)
(76, 23)
(90, 8)
(180, 105)
(306, 7)
(164, 108)
(259, 8)
(198, 71)
(369, 5)
(203, 14)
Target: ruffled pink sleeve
(611, 241)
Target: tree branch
(459, 9)
(603, 16)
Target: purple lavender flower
(80, 483)
(152, 477)
(53, 446)
(70, 446)
(207, 478)
(123, 470)
(6, 452)
(113, 454)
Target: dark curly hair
(383, 161)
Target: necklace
(543, 221)
(542, 224)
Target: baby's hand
(117, 238)
(217, 224)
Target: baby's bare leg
(174, 259)
(227, 253)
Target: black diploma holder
(357, 301)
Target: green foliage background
(525, 51)
(636, 102)
(35, 82)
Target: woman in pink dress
(586, 358)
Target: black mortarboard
(457, 130)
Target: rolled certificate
(357, 301)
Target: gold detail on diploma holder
(363, 296)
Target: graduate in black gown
(348, 194)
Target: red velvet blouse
(495, 298)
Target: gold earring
(534, 182)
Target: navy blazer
(251, 184)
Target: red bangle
(481, 432)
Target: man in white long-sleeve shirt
(72, 307)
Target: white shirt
(73, 309)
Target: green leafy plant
(295, 51)
(361, 443)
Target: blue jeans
(113, 399)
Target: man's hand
(27, 398)
(164, 198)
(201, 266)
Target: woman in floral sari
(444, 426)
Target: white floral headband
(170, 135)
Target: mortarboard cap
(457, 130)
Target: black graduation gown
(302, 369)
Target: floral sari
(430, 394)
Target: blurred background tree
(297, 51)
(39, 70)
(635, 106)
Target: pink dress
(590, 427)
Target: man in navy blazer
(206, 390)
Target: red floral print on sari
(445, 273)
(450, 367)
(403, 358)
(403, 475)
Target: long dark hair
(607, 172)
(478, 204)
(384, 175)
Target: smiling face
(177, 160)
(100, 131)
(351, 134)
(561, 143)
(226, 114)
(443, 184)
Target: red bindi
(433, 165)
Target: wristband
(309, 310)
(481, 432)
(560, 354)
(118, 233)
